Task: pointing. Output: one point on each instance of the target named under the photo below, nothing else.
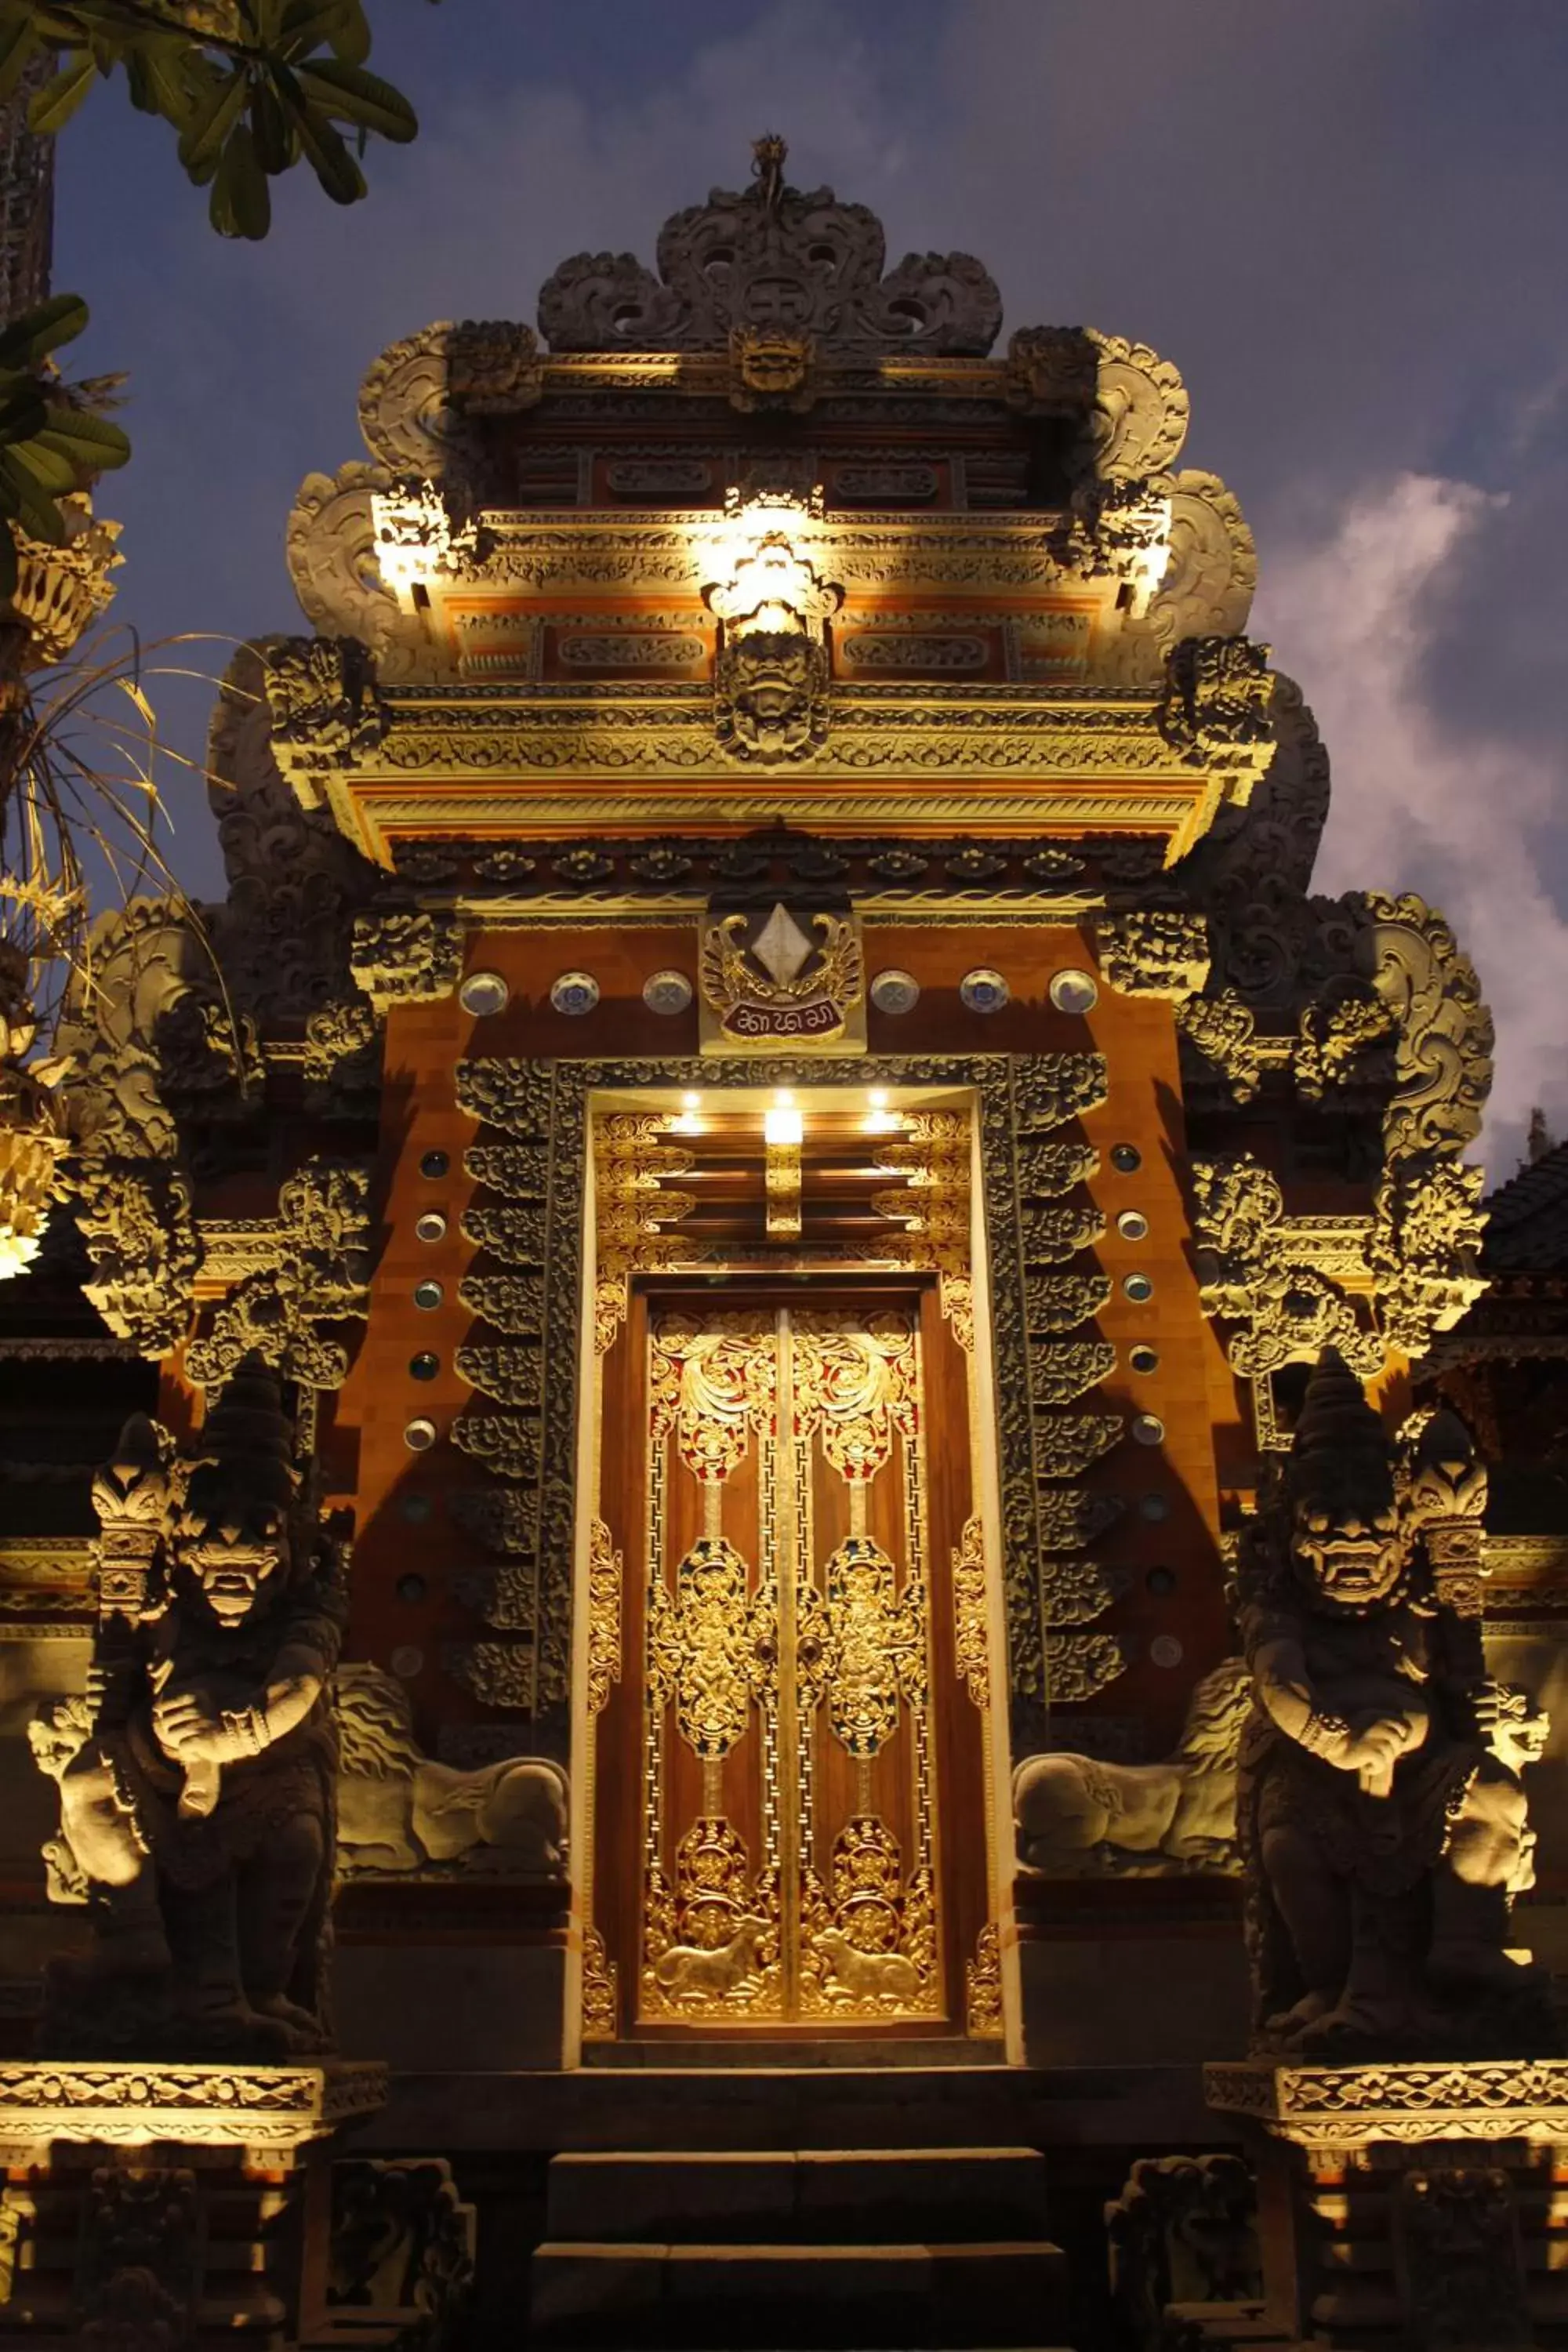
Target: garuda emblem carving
(765, 980)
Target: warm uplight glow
(1146, 565)
(762, 579)
(690, 1101)
(782, 1125)
(415, 540)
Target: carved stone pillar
(1414, 2206)
(153, 2205)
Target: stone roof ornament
(770, 256)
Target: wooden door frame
(594, 1572)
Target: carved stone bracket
(1153, 952)
(1071, 1517)
(1425, 1248)
(1222, 1032)
(405, 955)
(1081, 1665)
(1060, 1302)
(499, 1674)
(1059, 1373)
(417, 398)
(321, 692)
(1076, 1591)
(1219, 691)
(1286, 1311)
(319, 1277)
(331, 554)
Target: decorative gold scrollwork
(605, 1565)
(712, 1940)
(970, 1653)
(983, 1987)
(874, 1648)
(632, 1154)
(598, 1988)
(869, 1947)
(855, 1380)
(711, 1382)
(712, 1647)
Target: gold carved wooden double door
(790, 1808)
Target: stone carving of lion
(1075, 1814)
(398, 1809)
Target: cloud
(1463, 818)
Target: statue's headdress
(246, 1431)
(1341, 1455)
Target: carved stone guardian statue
(1381, 1812)
(197, 1784)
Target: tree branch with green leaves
(251, 87)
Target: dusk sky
(1346, 221)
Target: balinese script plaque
(783, 978)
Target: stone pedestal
(1422, 2206)
(161, 2204)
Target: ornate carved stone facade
(779, 817)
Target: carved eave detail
(1386, 1017)
(447, 763)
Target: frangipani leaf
(59, 100)
(241, 205)
(350, 94)
(36, 333)
(211, 124)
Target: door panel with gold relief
(795, 1738)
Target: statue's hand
(192, 1729)
(1375, 1745)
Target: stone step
(682, 2053)
(813, 2196)
(661, 2297)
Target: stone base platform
(1410, 2205)
(266, 2113)
(822, 2106)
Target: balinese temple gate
(771, 1113)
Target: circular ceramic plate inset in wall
(483, 993)
(419, 1436)
(575, 992)
(431, 1226)
(1138, 1288)
(895, 992)
(1148, 1429)
(983, 990)
(1132, 1225)
(1164, 1650)
(1125, 1158)
(407, 1662)
(1074, 992)
(666, 991)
